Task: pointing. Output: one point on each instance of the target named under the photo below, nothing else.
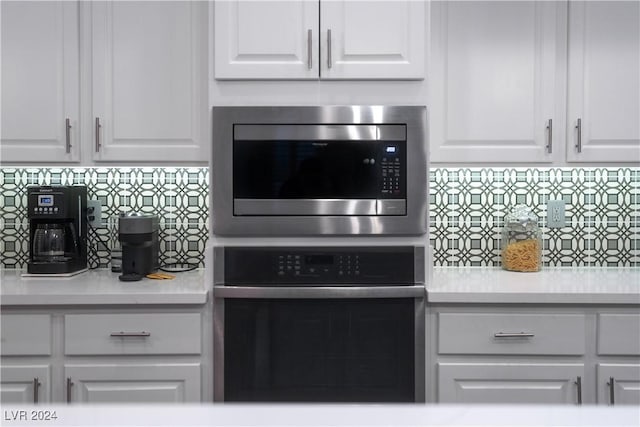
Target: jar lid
(523, 216)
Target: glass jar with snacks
(521, 241)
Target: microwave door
(317, 177)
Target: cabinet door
(40, 81)
(618, 384)
(266, 39)
(25, 384)
(509, 383)
(495, 81)
(127, 383)
(372, 39)
(149, 80)
(604, 88)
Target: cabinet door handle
(329, 48)
(309, 49)
(579, 136)
(578, 383)
(36, 387)
(612, 396)
(550, 140)
(513, 335)
(68, 134)
(130, 334)
(98, 126)
(69, 385)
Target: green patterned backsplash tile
(179, 196)
(466, 211)
(602, 206)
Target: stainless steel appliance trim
(419, 354)
(414, 222)
(318, 292)
(218, 349)
(391, 207)
(419, 273)
(312, 207)
(318, 132)
(218, 265)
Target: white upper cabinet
(326, 39)
(270, 40)
(494, 81)
(604, 82)
(372, 39)
(149, 85)
(40, 81)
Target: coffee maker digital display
(57, 229)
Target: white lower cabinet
(510, 353)
(133, 383)
(25, 384)
(618, 384)
(104, 356)
(618, 348)
(510, 383)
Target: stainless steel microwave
(329, 170)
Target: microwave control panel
(319, 266)
(392, 175)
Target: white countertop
(490, 285)
(552, 285)
(100, 287)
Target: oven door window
(319, 350)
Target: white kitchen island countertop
(551, 285)
(100, 287)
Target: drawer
(25, 334)
(480, 333)
(153, 333)
(619, 334)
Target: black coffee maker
(138, 235)
(57, 229)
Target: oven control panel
(319, 266)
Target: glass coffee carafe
(54, 242)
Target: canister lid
(521, 216)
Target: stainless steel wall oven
(327, 170)
(319, 324)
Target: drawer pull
(98, 126)
(69, 385)
(513, 335)
(67, 125)
(36, 387)
(612, 396)
(131, 334)
(578, 383)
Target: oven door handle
(319, 292)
